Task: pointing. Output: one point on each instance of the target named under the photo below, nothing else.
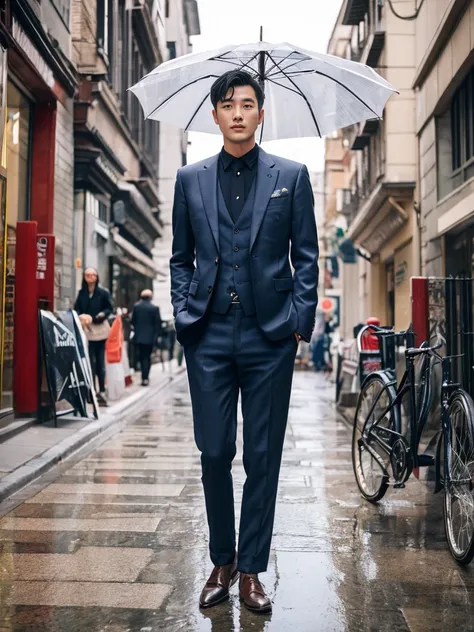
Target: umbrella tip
(261, 33)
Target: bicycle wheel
(458, 478)
(370, 477)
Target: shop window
(145, 132)
(123, 69)
(98, 207)
(390, 292)
(105, 27)
(171, 50)
(460, 253)
(18, 154)
(18, 157)
(455, 139)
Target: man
(239, 314)
(146, 322)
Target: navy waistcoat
(234, 267)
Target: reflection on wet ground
(118, 541)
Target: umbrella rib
(318, 72)
(284, 59)
(239, 66)
(280, 85)
(196, 112)
(283, 70)
(180, 90)
(294, 73)
(304, 97)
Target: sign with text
(45, 249)
(64, 385)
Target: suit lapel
(267, 178)
(208, 185)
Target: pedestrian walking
(240, 313)
(146, 323)
(94, 306)
(317, 342)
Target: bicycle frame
(417, 418)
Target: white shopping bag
(115, 380)
(126, 365)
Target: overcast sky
(307, 23)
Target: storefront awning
(134, 258)
(129, 193)
(381, 216)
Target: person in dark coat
(94, 306)
(146, 323)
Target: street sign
(327, 304)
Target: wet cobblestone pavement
(116, 541)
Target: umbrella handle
(261, 63)
(261, 69)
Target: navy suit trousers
(235, 356)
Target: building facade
(444, 84)
(37, 84)
(372, 170)
(116, 152)
(182, 22)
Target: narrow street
(115, 540)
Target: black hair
(232, 79)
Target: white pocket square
(279, 193)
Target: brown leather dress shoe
(253, 594)
(217, 586)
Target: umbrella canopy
(307, 94)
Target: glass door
(3, 274)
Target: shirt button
(238, 173)
(217, 260)
(238, 197)
(236, 230)
(236, 249)
(236, 267)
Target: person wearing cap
(146, 323)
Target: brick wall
(84, 33)
(64, 206)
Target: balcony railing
(347, 203)
(369, 35)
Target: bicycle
(384, 454)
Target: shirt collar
(249, 159)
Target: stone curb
(346, 415)
(19, 478)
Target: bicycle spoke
(373, 416)
(460, 491)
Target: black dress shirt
(236, 176)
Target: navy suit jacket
(283, 226)
(146, 321)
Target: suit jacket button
(209, 289)
(217, 260)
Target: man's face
(238, 115)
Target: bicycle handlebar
(378, 330)
(412, 352)
(416, 351)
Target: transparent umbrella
(307, 94)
